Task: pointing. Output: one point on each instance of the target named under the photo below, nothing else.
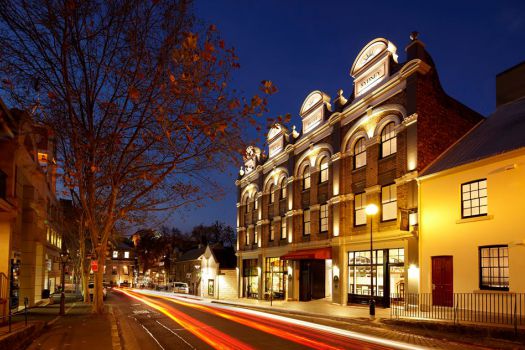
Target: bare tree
(137, 93)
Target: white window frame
(359, 209)
(388, 140)
(306, 222)
(324, 172)
(306, 178)
(272, 230)
(360, 153)
(115, 254)
(389, 202)
(284, 232)
(474, 198)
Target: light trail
(211, 336)
(289, 323)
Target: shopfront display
(274, 278)
(250, 278)
(387, 275)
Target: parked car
(181, 287)
(91, 288)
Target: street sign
(94, 265)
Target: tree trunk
(98, 296)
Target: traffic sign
(94, 265)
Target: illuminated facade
(121, 266)
(30, 236)
(471, 220)
(302, 229)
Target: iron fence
(489, 308)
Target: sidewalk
(77, 329)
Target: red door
(442, 287)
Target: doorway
(312, 280)
(442, 281)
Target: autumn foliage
(138, 95)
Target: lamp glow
(371, 209)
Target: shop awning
(314, 254)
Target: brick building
(302, 228)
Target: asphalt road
(159, 322)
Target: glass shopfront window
(250, 278)
(387, 274)
(274, 278)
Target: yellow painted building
(472, 201)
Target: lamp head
(371, 209)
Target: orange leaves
(172, 78)
(134, 93)
(190, 42)
(267, 87)
(234, 104)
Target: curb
(115, 337)
(20, 339)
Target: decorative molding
(411, 119)
(373, 189)
(474, 219)
(315, 207)
(335, 157)
(406, 178)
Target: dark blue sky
(308, 45)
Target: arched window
(360, 153)
(388, 140)
(272, 194)
(306, 178)
(283, 188)
(324, 169)
(247, 204)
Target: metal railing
(487, 308)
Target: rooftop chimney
(510, 84)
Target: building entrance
(311, 280)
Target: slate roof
(192, 254)
(225, 256)
(502, 131)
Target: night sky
(310, 45)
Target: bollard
(26, 302)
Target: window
(324, 169)
(388, 140)
(283, 188)
(306, 178)
(283, 227)
(474, 198)
(323, 218)
(359, 209)
(211, 287)
(126, 255)
(272, 194)
(115, 254)
(113, 270)
(306, 222)
(272, 231)
(274, 278)
(247, 205)
(256, 235)
(494, 267)
(388, 202)
(125, 270)
(248, 237)
(255, 204)
(360, 153)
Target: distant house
(120, 265)
(209, 271)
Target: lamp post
(64, 257)
(371, 210)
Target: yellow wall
(443, 232)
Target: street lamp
(64, 257)
(371, 210)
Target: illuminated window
(474, 198)
(272, 231)
(248, 237)
(306, 178)
(272, 194)
(126, 255)
(494, 267)
(283, 227)
(256, 235)
(388, 203)
(255, 204)
(115, 254)
(359, 209)
(125, 270)
(283, 188)
(114, 270)
(388, 140)
(247, 204)
(323, 218)
(306, 222)
(324, 169)
(360, 153)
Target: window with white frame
(359, 209)
(360, 153)
(388, 140)
(115, 254)
(474, 198)
(494, 267)
(389, 202)
(324, 169)
(272, 230)
(323, 218)
(306, 178)
(306, 222)
(283, 188)
(283, 227)
(248, 237)
(126, 255)
(256, 235)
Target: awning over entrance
(314, 254)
